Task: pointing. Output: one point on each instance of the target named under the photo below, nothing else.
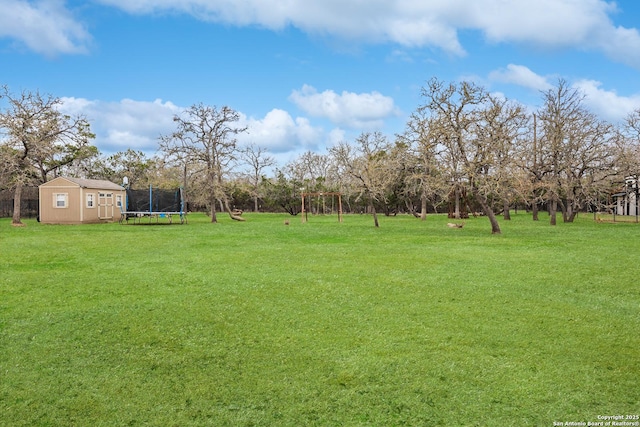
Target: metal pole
(181, 202)
(636, 194)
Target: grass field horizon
(319, 323)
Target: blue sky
(305, 74)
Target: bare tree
(312, 169)
(530, 182)
(205, 135)
(456, 112)
(627, 157)
(39, 140)
(425, 177)
(501, 124)
(367, 163)
(575, 150)
(257, 159)
(177, 158)
(630, 158)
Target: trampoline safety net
(160, 200)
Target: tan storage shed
(80, 201)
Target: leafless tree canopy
(38, 140)
(205, 139)
(575, 151)
(257, 160)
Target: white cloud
(622, 45)
(335, 136)
(607, 104)
(521, 76)
(278, 132)
(48, 27)
(125, 124)
(138, 124)
(363, 110)
(584, 24)
(543, 22)
(45, 27)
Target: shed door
(105, 205)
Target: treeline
(463, 151)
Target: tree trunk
(212, 204)
(553, 210)
(17, 203)
(456, 213)
(535, 211)
(231, 214)
(572, 211)
(423, 207)
(568, 215)
(411, 209)
(375, 215)
(506, 214)
(255, 203)
(563, 209)
(495, 227)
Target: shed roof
(99, 184)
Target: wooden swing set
(321, 196)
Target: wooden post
(323, 195)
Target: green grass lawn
(322, 323)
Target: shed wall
(64, 202)
(50, 213)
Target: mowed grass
(322, 323)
